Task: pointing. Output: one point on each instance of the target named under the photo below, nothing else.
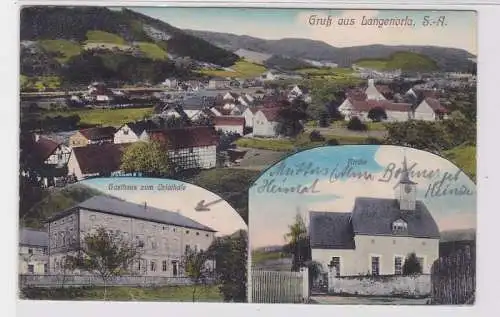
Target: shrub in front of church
(412, 265)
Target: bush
(356, 125)
(412, 265)
(373, 141)
(377, 114)
(332, 142)
(315, 136)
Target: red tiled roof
(98, 133)
(229, 120)
(367, 105)
(435, 105)
(271, 114)
(102, 158)
(43, 148)
(187, 137)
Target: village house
(190, 147)
(430, 109)
(249, 114)
(33, 251)
(377, 236)
(218, 83)
(395, 112)
(265, 122)
(162, 237)
(170, 83)
(372, 91)
(299, 91)
(49, 157)
(88, 136)
(194, 106)
(134, 131)
(96, 160)
(229, 124)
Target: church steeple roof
(405, 174)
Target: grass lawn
(66, 48)
(104, 37)
(260, 256)
(122, 293)
(302, 141)
(40, 83)
(105, 117)
(326, 71)
(465, 158)
(241, 69)
(153, 51)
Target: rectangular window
(335, 264)
(375, 265)
(31, 268)
(45, 268)
(187, 248)
(164, 265)
(153, 266)
(30, 251)
(398, 265)
(44, 251)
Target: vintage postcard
(138, 121)
(363, 224)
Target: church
(376, 237)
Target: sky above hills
(459, 32)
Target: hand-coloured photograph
(137, 239)
(211, 98)
(363, 224)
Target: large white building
(377, 235)
(162, 237)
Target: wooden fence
(279, 286)
(454, 278)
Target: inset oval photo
(362, 224)
(132, 238)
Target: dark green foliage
(290, 117)
(356, 125)
(332, 142)
(298, 243)
(433, 136)
(230, 184)
(412, 265)
(50, 123)
(315, 136)
(230, 254)
(324, 119)
(377, 114)
(286, 63)
(52, 293)
(373, 141)
(39, 204)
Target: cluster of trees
(50, 123)
(436, 136)
(94, 65)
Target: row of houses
(98, 151)
(162, 237)
(416, 104)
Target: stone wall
(411, 286)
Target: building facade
(265, 122)
(162, 237)
(97, 135)
(377, 236)
(33, 251)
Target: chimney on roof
(145, 206)
(37, 137)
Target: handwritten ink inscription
(443, 183)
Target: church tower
(406, 190)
